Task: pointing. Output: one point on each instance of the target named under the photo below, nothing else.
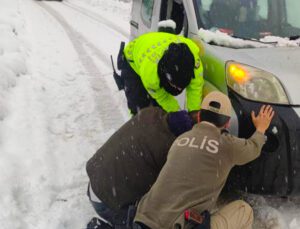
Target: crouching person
(127, 165)
(199, 161)
(156, 67)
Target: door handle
(134, 24)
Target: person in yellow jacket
(158, 66)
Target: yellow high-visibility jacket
(143, 55)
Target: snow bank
(56, 118)
(7, 78)
(12, 52)
(14, 61)
(9, 41)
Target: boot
(96, 223)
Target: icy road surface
(64, 108)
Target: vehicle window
(250, 18)
(178, 16)
(293, 16)
(262, 9)
(174, 10)
(206, 4)
(146, 11)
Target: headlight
(255, 84)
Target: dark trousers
(136, 94)
(117, 219)
(112, 217)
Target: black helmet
(176, 68)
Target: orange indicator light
(238, 74)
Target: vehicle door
(144, 16)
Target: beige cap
(217, 102)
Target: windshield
(250, 18)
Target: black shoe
(96, 223)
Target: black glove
(179, 122)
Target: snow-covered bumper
(277, 170)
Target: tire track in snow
(109, 24)
(110, 114)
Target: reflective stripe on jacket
(144, 53)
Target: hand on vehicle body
(263, 119)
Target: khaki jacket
(196, 170)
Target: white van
(250, 51)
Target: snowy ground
(58, 113)
(58, 104)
